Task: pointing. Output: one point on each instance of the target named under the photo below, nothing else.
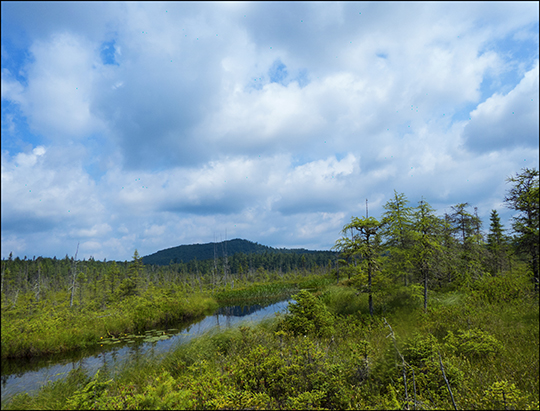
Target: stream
(28, 375)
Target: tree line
(414, 245)
(87, 280)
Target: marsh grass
(274, 289)
(269, 366)
(48, 329)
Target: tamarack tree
(364, 242)
(427, 247)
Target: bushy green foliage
(87, 397)
(343, 300)
(299, 373)
(308, 316)
(420, 349)
(504, 395)
(500, 288)
(473, 343)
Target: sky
(150, 125)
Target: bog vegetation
(419, 311)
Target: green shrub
(420, 349)
(501, 288)
(473, 343)
(300, 373)
(343, 300)
(308, 316)
(87, 397)
(503, 395)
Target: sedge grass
(208, 371)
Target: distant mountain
(186, 253)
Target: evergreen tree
(113, 274)
(496, 242)
(524, 198)
(465, 224)
(396, 230)
(427, 247)
(466, 227)
(365, 242)
(132, 283)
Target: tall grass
(280, 288)
(50, 329)
(357, 367)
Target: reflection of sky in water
(112, 358)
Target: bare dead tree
(225, 261)
(446, 381)
(38, 285)
(74, 277)
(404, 364)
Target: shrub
(308, 316)
(300, 374)
(503, 395)
(420, 349)
(343, 301)
(499, 289)
(473, 343)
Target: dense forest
(209, 251)
(413, 311)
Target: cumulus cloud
(130, 125)
(504, 121)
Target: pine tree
(465, 224)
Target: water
(29, 375)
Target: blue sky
(149, 125)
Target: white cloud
(177, 141)
(60, 87)
(509, 120)
(11, 89)
(98, 230)
(38, 194)
(155, 230)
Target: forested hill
(186, 253)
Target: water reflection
(29, 375)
